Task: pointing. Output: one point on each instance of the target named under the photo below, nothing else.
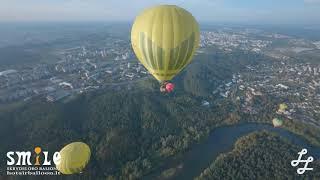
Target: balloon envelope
(277, 122)
(164, 39)
(169, 87)
(282, 107)
(74, 158)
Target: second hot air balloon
(277, 122)
(165, 39)
(74, 158)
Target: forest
(259, 155)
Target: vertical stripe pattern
(165, 38)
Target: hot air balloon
(165, 39)
(169, 87)
(74, 158)
(277, 122)
(282, 108)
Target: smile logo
(23, 158)
(32, 163)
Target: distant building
(66, 85)
(130, 75)
(205, 103)
(229, 84)
(7, 72)
(282, 86)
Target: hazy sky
(248, 11)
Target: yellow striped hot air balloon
(165, 39)
(283, 107)
(73, 158)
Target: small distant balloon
(277, 122)
(169, 87)
(282, 107)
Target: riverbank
(222, 140)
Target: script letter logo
(296, 162)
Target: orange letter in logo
(37, 150)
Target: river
(222, 139)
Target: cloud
(312, 1)
(126, 10)
(87, 10)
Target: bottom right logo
(295, 163)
